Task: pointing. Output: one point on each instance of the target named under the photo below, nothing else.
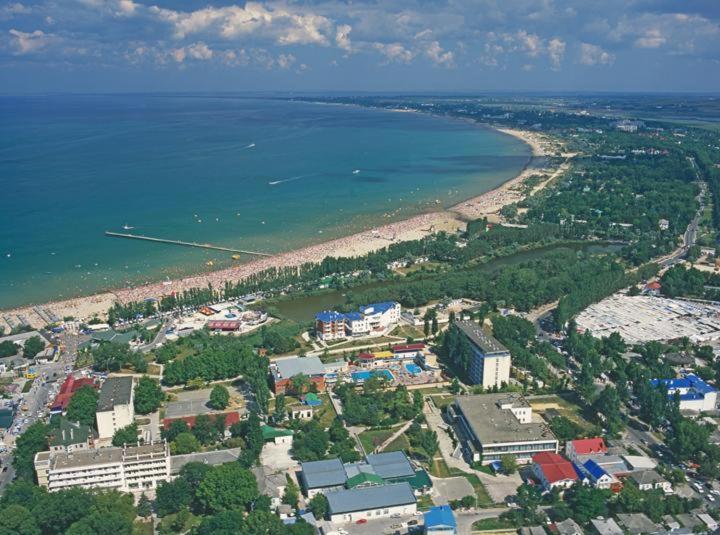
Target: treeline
(374, 405)
(220, 357)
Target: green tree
(176, 427)
(508, 464)
(219, 397)
(171, 496)
(148, 395)
(83, 405)
(587, 502)
(319, 506)
(110, 356)
(102, 524)
(280, 409)
(33, 440)
(33, 346)
(144, 507)
(184, 443)
(8, 349)
(227, 486)
(18, 519)
(292, 492)
(204, 430)
(126, 435)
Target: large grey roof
(115, 391)
(494, 425)
(486, 343)
(606, 526)
(391, 465)
(377, 497)
(321, 474)
(287, 368)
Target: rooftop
(637, 523)
(376, 497)
(290, 367)
(320, 474)
(647, 477)
(487, 344)
(568, 527)
(555, 467)
(492, 424)
(77, 459)
(606, 526)
(689, 387)
(586, 446)
(69, 433)
(115, 391)
(440, 516)
(391, 465)
(378, 308)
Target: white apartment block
(126, 469)
(115, 408)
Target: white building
(489, 426)
(694, 393)
(490, 362)
(379, 501)
(369, 320)
(115, 408)
(650, 480)
(127, 469)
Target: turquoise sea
(258, 174)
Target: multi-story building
(127, 469)
(372, 319)
(492, 425)
(115, 408)
(554, 471)
(695, 394)
(283, 371)
(490, 362)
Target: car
(412, 522)
(395, 515)
(395, 526)
(362, 521)
(710, 497)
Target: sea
(259, 174)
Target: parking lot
(189, 403)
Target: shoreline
(487, 204)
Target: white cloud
(530, 42)
(285, 61)
(178, 54)
(199, 51)
(28, 43)
(652, 38)
(439, 56)
(394, 52)
(342, 37)
(556, 51)
(9, 11)
(594, 55)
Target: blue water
(363, 376)
(246, 173)
(413, 369)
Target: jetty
(183, 243)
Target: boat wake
(250, 146)
(291, 179)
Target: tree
(508, 464)
(102, 524)
(33, 346)
(292, 493)
(311, 442)
(528, 498)
(227, 486)
(126, 435)
(184, 443)
(33, 440)
(426, 327)
(171, 496)
(144, 507)
(204, 430)
(280, 409)
(176, 427)
(299, 383)
(18, 519)
(148, 395)
(454, 386)
(110, 356)
(319, 506)
(434, 328)
(194, 473)
(587, 502)
(219, 397)
(83, 405)
(8, 349)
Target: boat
(209, 263)
(235, 257)
(127, 227)
(356, 172)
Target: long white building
(127, 469)
(369, 320)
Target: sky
(381, 46)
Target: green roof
(69, 433)
(270, 433)
(364, 479)
(420, 480)
(124, 337)
(6, 418)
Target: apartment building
(115, 408)
(490, 363)
(127, 469)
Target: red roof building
(224, 325)
(585, 446)
(553, 470)
(408, 348)
(68, 388)
(230, 419)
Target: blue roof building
(598, 476)
(694, 393)
(440, 520)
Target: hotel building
(490, 363)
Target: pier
(183, 243)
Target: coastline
(487, 204)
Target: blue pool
(361, 377)
(413, 369)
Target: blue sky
(383, 45)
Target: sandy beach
(487, 205)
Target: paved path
(392, 437)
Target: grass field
(565, 406)
(27, 386)
(487, 524)
(399, 444)
(424, 502)
(142, 528)
(439, 468)
(372, 438)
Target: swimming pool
(413, 369)
(362, 376)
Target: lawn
(399, 444)
(27, 386)
(442, 401)
(372, 438)
(408, 331)
(142, 528)
(168, 524)
(487, 524)
(439, 468)
(565, 407)
(424, 502)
